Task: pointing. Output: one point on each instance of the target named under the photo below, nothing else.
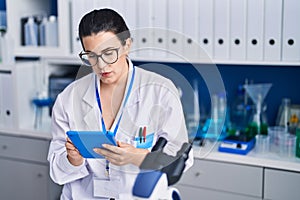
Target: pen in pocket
(141, 134)
(144, 134)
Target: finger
(123, 144)
(115, 149)
(98, 150)
(115, 161)
(70, 146)
(73, 153)
(69, 140)
(109, 154)
(101, 151)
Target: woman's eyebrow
(107, 49)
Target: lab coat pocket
(107, 188)
(144, 143)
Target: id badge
(107, 188)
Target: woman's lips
(105, 74)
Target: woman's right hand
(73, 154)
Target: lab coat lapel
(90, 108)
(122, 108)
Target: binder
(206, 28)
(144, 29)
(190, 29)
(273, 27)
(98, 4)
(160, 25)
(78, 9)
(118, 6)
(175, 28)
(238, 16)
(127, 9)
(255, 27)
(221, 29)
(7, 99)
(130, 16)
(291, 30)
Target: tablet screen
(86, 141)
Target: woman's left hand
(122, 154)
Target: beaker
(275, 132)
(287, 145)
(262, 144)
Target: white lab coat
(154, 102)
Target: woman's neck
(119, 84)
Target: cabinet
(24, 170)
(216, 180)
(22, 180)
(281, 185)
(195, 193)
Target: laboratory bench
(214, 175)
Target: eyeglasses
(90, 58)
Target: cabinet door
(28, 149)
(227, 177)
(282, 185)
(20, 180)
(192, 193)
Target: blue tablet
(86, 141)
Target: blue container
(3, 23)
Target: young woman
(135, 106)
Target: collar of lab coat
(90, 99)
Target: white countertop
(208, 152)
(39, 134)
(268, 160)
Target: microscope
(159, 171)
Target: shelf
(28, 51)
(218, 62)
(74, 59)
(6, 68)
(27, 8)
(63, 60)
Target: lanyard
(125, 101)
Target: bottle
(3, 25)
(51, 33)
(215, 126)
(223, 115)
(42, 31)
(3, 21)
(6, 49)
(31, 32)
(283, 115)
(239, 112)
(293, 123)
